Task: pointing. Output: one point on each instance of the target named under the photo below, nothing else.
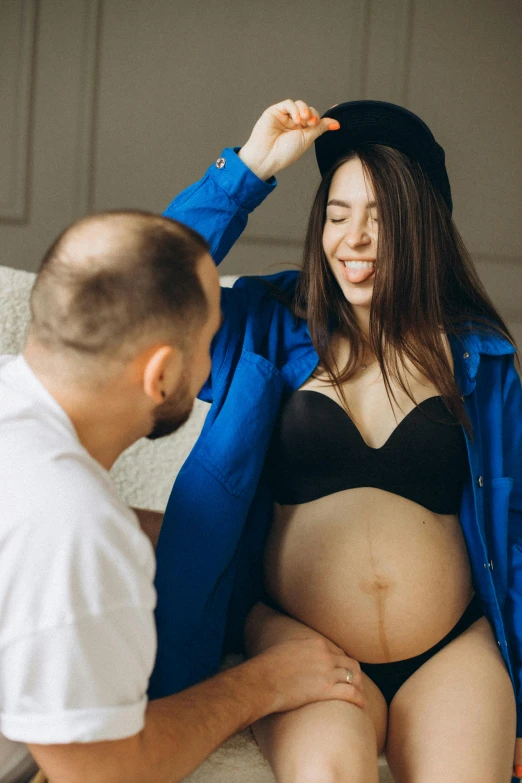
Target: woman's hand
(281, 135)
(517, 763)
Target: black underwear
(390, 676)
(317, 450)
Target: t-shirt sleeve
(79, 682)
(78, 639)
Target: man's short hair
(113, 280)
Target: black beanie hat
(378, 122)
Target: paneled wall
(121, 103)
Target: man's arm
(182, 730)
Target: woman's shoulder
(483, 338)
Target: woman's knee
(327, 742)
(360, 767)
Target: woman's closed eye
(371, 219)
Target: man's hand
(181, 730)
(301, 671)
(281, 135)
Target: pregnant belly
(381, 576)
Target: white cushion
(239, 760)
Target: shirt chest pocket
(233, 449)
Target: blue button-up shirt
(211, 543)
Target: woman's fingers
(289, 108)
(295, 115)
(283, 133)
(315, 116)
(331, 124)
(298, 114)
(309, 115)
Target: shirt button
(465, 355)
(480, 481)
(498, 642)
(220, 163)
(491, 565)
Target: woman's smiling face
(350, 232)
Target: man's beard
(171, 414)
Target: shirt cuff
(87, 725)
(240, 182)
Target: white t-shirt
(77, 633)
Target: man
(124, 309)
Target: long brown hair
(425, 282)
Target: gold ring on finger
(349, 676)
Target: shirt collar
(22, 377)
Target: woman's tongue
(358, 274)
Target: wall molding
(388, 50)
(358, 68)
(403, 51)
(87, 105)
(17, 106)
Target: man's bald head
(114, 281)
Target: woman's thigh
(324, 742)
(453, 720)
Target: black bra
(317, 450)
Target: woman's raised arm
(218, 205)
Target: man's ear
(162, 372)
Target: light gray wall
(122, 103)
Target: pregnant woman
(367, 412)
